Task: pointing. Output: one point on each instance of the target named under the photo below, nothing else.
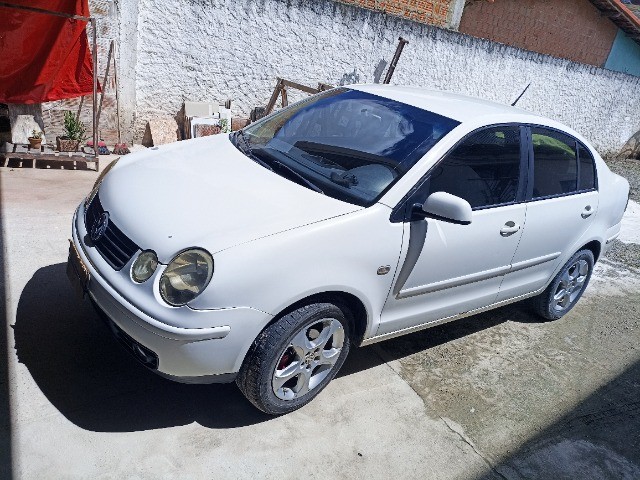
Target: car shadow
(405, 345)
(84, 372)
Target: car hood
(206, 193)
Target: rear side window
(484, 169)
(555, 163)
(587, 169)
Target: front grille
(114, 246)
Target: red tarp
(44, 57)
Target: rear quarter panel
(614, 194)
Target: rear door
(562, 203)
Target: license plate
(77, 271)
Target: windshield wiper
(325, 162)
(273, 160)
(344, 180)
(248, 150)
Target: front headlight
(144, 266)
(96, 185)
(187, 275)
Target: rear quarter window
(555, 164)
(587, 169)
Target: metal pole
(115, 79)
(394, 61)
(95, 91)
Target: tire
(294, 358)
(566, 288)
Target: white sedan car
(353, 216)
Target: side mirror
(450, 208)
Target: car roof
(462, 108)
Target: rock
(23, 127)
(159, 131)
(631, 149)
(33, 112)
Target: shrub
(74, 129)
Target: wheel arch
(596, 248)
(353, 308)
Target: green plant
(36, 134)
(224, 125)
(74, 129)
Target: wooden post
(274, 97)
(104, 83)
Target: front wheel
(566, 288)
(294, 358)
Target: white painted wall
(217, 49)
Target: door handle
(586, 213)
(509, 229)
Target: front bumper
(189, 355)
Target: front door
(448, 269)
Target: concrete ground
(499, 395)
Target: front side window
(555, 166)
(347, 144)
(484, 169)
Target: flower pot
(35, 143)
(67, 145)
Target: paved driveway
(498, 395)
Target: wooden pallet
(46, 152)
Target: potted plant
(35, 139)
(73, 134)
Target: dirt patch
(625, 253)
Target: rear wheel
(566, 288)
(294, 358)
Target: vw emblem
(99, 227)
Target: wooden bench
(47, 153)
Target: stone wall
(208, 50)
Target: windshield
(344, 143)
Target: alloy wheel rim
(308, 359)
(571, 284)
